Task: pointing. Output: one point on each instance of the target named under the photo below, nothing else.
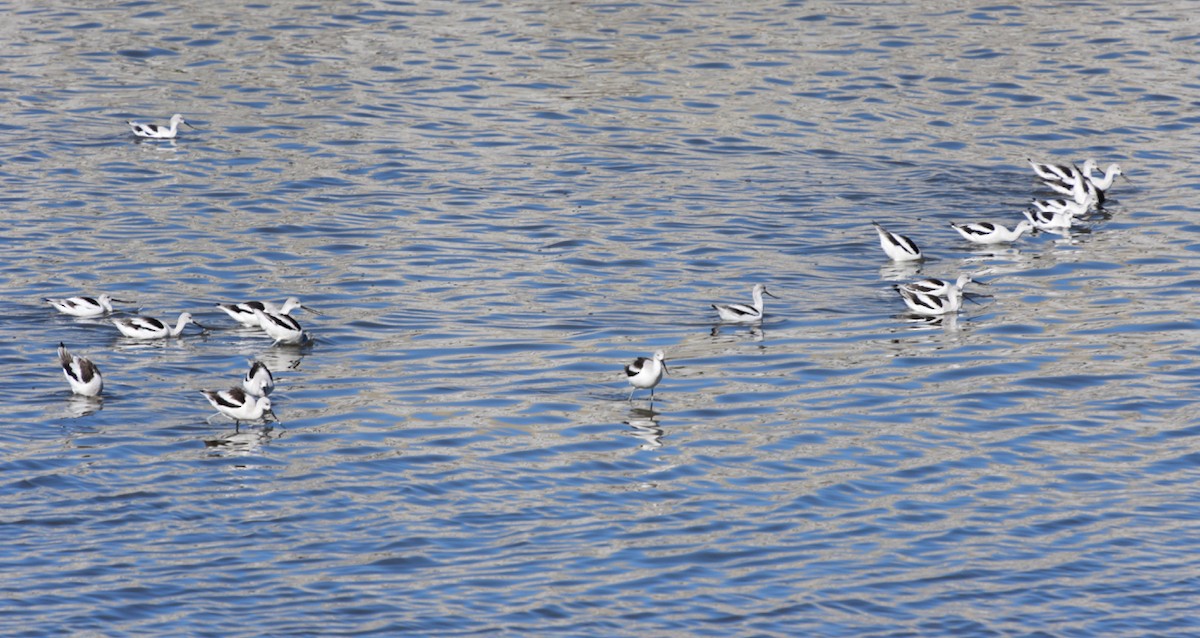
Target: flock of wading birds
(1084, 192)
(247, 402)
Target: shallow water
(494, 207)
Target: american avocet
(151, 328)
(157, 131)
(1043, 220)
(84, 306)
(1077, 182)
(1054, 172)
(1069, 206)
(938, 287)
(243, 313)
(897, 247)
(81, 373)
(1101, 184)
(1105, 181)
(989, 233)
(646, 373)
(239, 406)
(1081, 190)
(932, 305)
(740, 312)
(282, 328)
(258, 381)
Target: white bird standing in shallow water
(1056, 221)
(239, 406)
(897, 247)
(1081, 190)
(1074, 208)
(932, 305)
(156, 131)
(1104, 182)
(989, 233)
(646, 373)
(81, 373)
(1064, 174)
(151, 328)
(243, 313)
(282, 328)
(258, 381)
(1053, 172)
(938, 287)
(84, 306)
(742, 313)
(1100, 185)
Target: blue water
(494, 207)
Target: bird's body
(157, 131)
(935, 287)
(236, 404)
(84, 306)
(243, 313)
(741, 313)
(897, 247)
(1053, 221)
(1070, 206)
(1054, 172)
(258, 380)
(991, 233)
(282, 328)
(645, 373)
(932, 305)
(151, 328)
(81, 373)
(1078, 186)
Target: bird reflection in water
(644, 425)
(929, 322)
(899, 270)
(756, 332)
(248, 442)
(79, 405)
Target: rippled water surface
(494, 207)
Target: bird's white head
(761, 289)
(661, 357)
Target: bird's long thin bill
(310, 310)
(124, 301)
